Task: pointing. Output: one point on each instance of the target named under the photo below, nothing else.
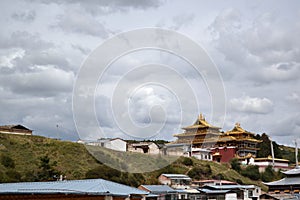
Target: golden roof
(237, 129)
(200, 123)
(249, 155)
(269, 158)
(195, 134)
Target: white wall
(116, 144)
(231, 196)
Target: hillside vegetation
(36, 158)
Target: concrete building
(176, 181)
(116, 144)
(263, 163)
(159, 192)
(143, 147)
(243, 192)
(208, 194)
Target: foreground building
(243, 192)
(161, 192)
(75, 190)
(176, 181)
(289, 184)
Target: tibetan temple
(289, 184)
(236, 143)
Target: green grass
(74, 160)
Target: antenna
(57, 127)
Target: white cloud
(9, 59)
(252, 105)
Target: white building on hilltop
(116, 144)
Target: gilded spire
(238, 125)
(201, 117)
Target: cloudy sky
(254, 44)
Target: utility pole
(296, 153)
(272, 152)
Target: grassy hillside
(72, 159)
(21, 161)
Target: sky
(254, 46)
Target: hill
(36, 158)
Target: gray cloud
(24, 16)
(42, 82)
(257, 51)
(75, 21)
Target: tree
(235, 165)
(268, 175)
(265, 147)
(47, 172)
(252, 172)
(187, 161)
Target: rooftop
(158, 188)
(295, 171)
(177, 176)
(208, 191)
(285, 181)
(88, 186)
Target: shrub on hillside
(187, 161)
(235, 164)
(252, 172)
(7, 161)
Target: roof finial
(201, 117)
(237, 124)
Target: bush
(187, 161)
(235, 164)
(252, 172)
(104, 172)
(7, 161)
(13, 176)
(268, 175)
(200, 172)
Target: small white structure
(262, 163)
(176, 149)
(202, 154)
(116, 144)
(143, 147)
(176, 181)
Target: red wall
(226, 153)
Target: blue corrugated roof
(285, 181)
(207, 191)
(230, 187)
(158, 188)
(88, 186)
(295, 171)
(177, 176)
